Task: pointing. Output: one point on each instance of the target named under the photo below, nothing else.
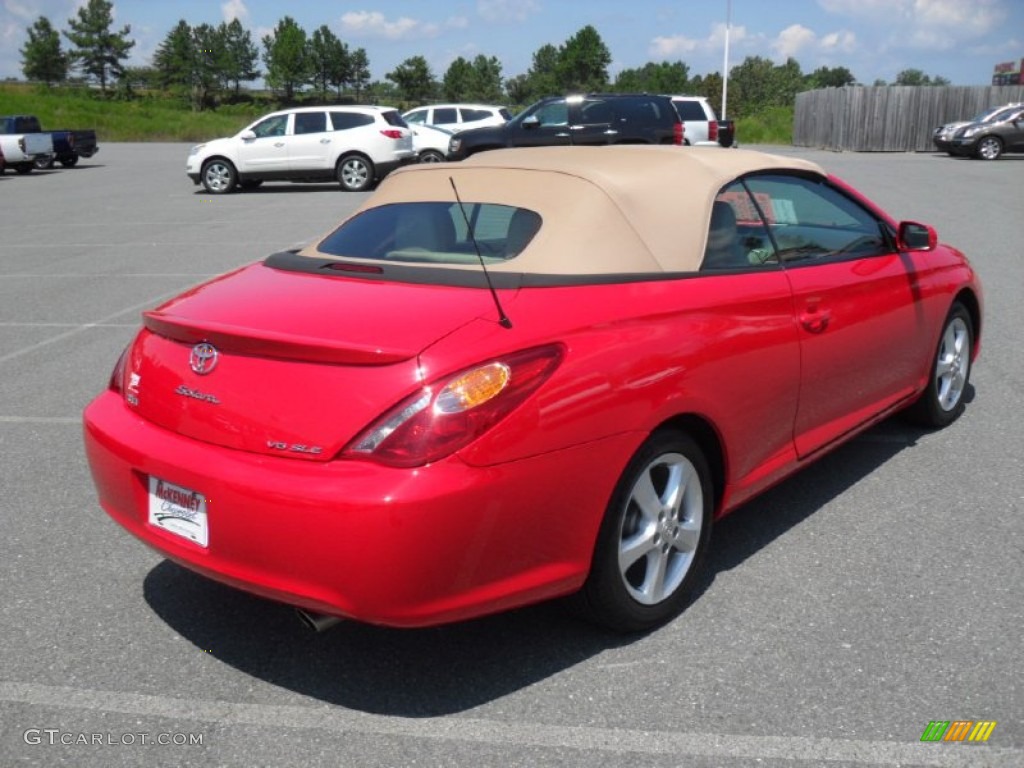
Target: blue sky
(960, 40)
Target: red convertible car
(536, 373)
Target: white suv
(700, 126)
(458, 117)
(355, 146)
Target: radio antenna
(503, 320)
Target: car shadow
(453, 668)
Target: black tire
(989, 148)
(355, 173)
(43, 162)
(218, 176)
(250, 184)
(637, 541)
(942, 401)
(69, 161)
(23, 168)
(431, 156)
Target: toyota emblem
(203, 358)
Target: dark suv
(600, 118)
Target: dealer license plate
(179, 510)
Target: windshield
(435, 233)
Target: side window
(553, 113)
(469, 115)
(737, 235)
(596, 112)
(310, 122)
(690, 110)
(446, 115)
(416, 116)
(809, 219)
(344, 120)
(272, 126)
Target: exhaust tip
(318, 622)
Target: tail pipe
(318, 622)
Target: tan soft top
(605, 210)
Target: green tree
(208, 65)
(661, 77)
(328, 59)
(458, 80)
(486, 79)
(518, 89)
(830, 77)
(758, 84)
(99, 52)
(240, 55)
(583, 62)
(42, 57)
(285, 52)
(173, 58)
(414, 79)
(543, 74)
(917, 77)
(359, 71)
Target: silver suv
(355, 146)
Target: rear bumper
(411, 547)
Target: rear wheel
(43, 162)
(942, 402)
(218, 176)
(653, 538)
(69, 161)
(431, 156)
(990, 148)
(355, 173)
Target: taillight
(116, 383)
(712, 130)
(452, 412)
(391, 133)
(677, 135)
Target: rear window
(391, 117)
(437, 233)
(310, 122)
(345, 120)
(690, 110)
(650, 111)
(469, 115)
(446, 115)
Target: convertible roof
(606, 210)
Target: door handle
(815, 321)
(611, 132)
(561, 135)
(278, 143)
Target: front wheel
(355, 173)
(942, 401)
(43, 162)
(653, 537)
(990, 148)
(431, 156)
(218, 177)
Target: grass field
(163, 118)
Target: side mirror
(916, 237)
(247, 135)
(531, 122)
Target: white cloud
(234, 9)
(376, 24)
(924, 23)
(839, 42)
(20, 10)
(672, 46)
(507, 10)
(792, 40)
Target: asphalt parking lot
(843, 611)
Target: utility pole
(725, 65)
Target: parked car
(23, 149)
(355, 146)
(616, 118)
(430, 142)
(942, 138)
(68, 145)
(375, 427)
(1003, 132)
(700, 125)
(458, 117)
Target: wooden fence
(891, 118)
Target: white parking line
(340, 721)
(40, 419)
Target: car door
(1014, 132)
(310, 145)
(855, 300)
(267, 150)
(594, 122)
(546, 125)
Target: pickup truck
(23, 150)
(68, 145)
(701, 127)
